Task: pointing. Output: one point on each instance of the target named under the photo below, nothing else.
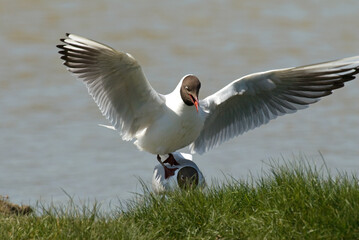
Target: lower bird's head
(187, 177)
(190, 90)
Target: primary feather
(255, 99)
(115, 81)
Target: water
(50, 141)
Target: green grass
(290, 201)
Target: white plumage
(161, 124)
(161, 184)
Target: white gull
(161, 124)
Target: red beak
(195, 101)
(196, 105)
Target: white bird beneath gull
(187, 175)
(162, 124)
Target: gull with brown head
(163, 123)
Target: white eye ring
(186, 87)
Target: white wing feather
(256, 99)
(115, 81)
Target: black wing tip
(67, 36)
(327, 93)
(337, 85)
(61, 46)
(63, 39)
(62, 51)
(348, 78)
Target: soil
(9, 208)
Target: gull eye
(186, 87)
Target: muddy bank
(6, 207)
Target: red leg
(168, 171)
(171, 160)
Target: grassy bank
(291, 201)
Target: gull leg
(171, 160)
(168, 171)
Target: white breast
(176, 127)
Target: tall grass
(290, 201)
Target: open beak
(195, 101)
(196, 105)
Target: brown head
(190, 90)
(187, 177)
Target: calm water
(49, 138)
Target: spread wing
(115, 81)
(256, 99)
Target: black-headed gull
(161, 124)
(187, 174)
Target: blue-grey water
(49, 137)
